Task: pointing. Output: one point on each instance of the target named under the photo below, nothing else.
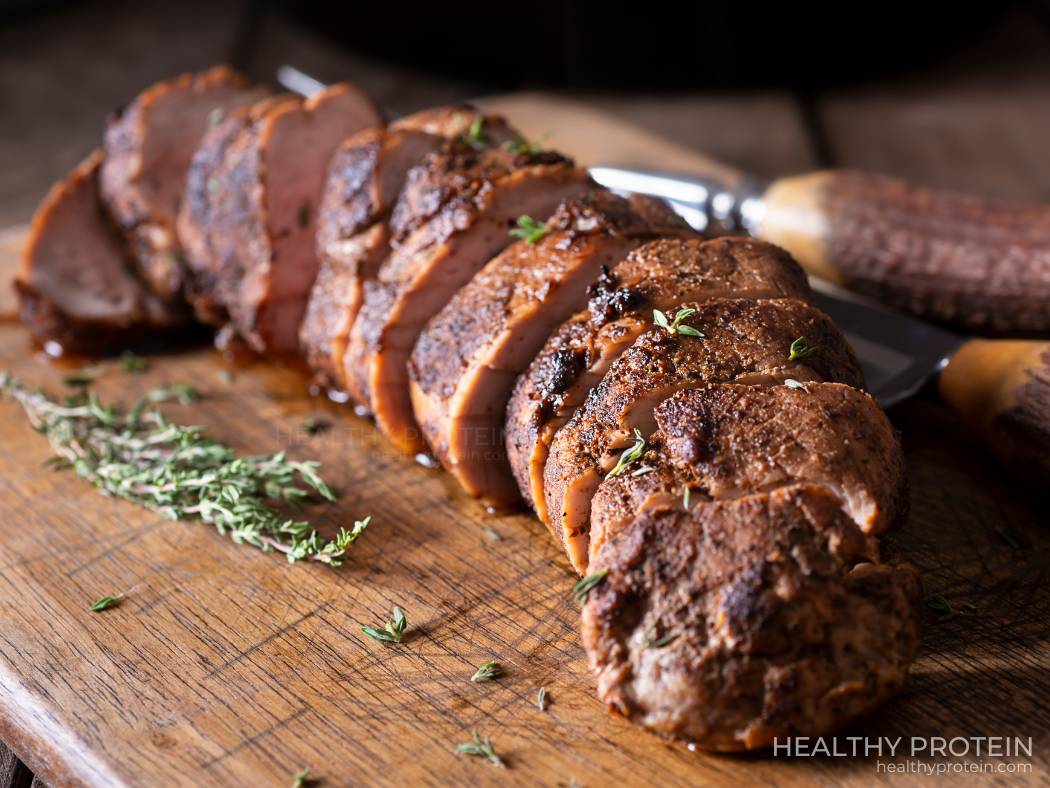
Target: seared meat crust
(747, 619)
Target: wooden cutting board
(226, 666)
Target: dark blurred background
(766, 86)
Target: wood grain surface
(226, 666)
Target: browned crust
(728, 440)
(664, 274)
(776, 624)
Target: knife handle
(975, 264)
(1001, 388)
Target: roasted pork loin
(77, 284)
(467, 359)
(663, 275)
(744, 340)
(453, 216)
(149, 146)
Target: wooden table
(282, 640)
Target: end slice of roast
(77, 283)
(744, 340)
(364, 180)
(747, 619)
(730, 440)
(274, 171)
(664, 275)
(466, 360)
(454, 215)
(149, 146)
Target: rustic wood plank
(226, 666)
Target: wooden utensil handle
(1002, 389)
(953, 258)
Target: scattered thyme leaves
(660, 642)
(643, 469)
(675, 325)
(106, 602)
(315, 426)
(541, 699)
(480, 748)
(133, 364)
(529, 230)
(493, 535)
(799, 350)
(302, 779)
(583, 589)
(630, 455)
(143, 457)
(487, 671)
(948, 610)
(392, 632)
(791, 383)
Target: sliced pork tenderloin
(453, 216)
(729, 440)
(660, 275)
(748, 619)
(365, 177)
(77, 283)
(467, 359)
(273, 175)
(744, 340)
(149, 146)
(204, 245)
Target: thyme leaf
(488, 671)
(529, 230)
(143, 457)
(315, 426)
(629, 456)
(392, 632)
(541, 699)
(302, 779)
(106, 602)
(947, 609)
(660, 642)
(132, 364)
(582, 589)
(791, 383)
(675, 326)
(685, 497)
(799, 350)
(474, 136)
(481, 748)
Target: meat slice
(365, 177)
(149, 146)
(77, 284)
(660, 275)
(466, 360)
(453, 217)
(744, 340)
(748, 619)
(730, 440)
(273, 174)
(204, 246)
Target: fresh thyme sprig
(106, 602)
(481, 748)
(488, 671)
(392, 632)
(629, 456)
(799, 350)
(178, 471)
(582, 589)
(675, 326)
(529, 230)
